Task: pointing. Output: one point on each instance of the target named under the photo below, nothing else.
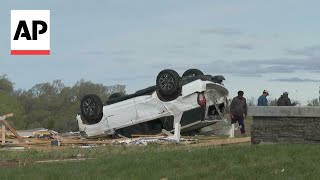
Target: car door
(121, 114)
(149, 108)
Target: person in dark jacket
(238, 111)
(262, 101)
(284, 100)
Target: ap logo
(30, 32)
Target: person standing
(238, 111)
(284, 100)
(263, 101)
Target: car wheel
(192, 73)
(91, 108)
(168, 84)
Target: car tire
(192, 73)
(168, 84)
(91, 108)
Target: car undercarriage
(190, 103)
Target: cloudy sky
(256, 45)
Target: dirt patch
(8, 163)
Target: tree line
(54, 105)
(51, 105)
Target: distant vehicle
(195, 100)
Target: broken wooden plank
(147, 135)
(11, 129)
(85, 142)
(166, 132)
(6, 116)
(226, 141)
(3, 134)
(64, 160)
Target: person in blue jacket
(262, 101)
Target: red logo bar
(30, 52)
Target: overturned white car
(195, 101)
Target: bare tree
(272, 102)
(314, 102)
(251, 101)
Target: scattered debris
(217, 142)
(63, 160)
(146, 140)
(55, 142)
(5, 125)
(44, 139)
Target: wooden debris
(6, 124)
(6, 116)
(64, 160)
(167, 132)
(75, 140)
(66, 142)
(3, 136)
(217, 142)
(12, 130)
(143, 135)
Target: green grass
(174, 162)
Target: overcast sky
(256, 45)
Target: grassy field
(173, 162)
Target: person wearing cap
(284, 100)
(263, 101)
(238, 111)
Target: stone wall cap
(284, 111)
